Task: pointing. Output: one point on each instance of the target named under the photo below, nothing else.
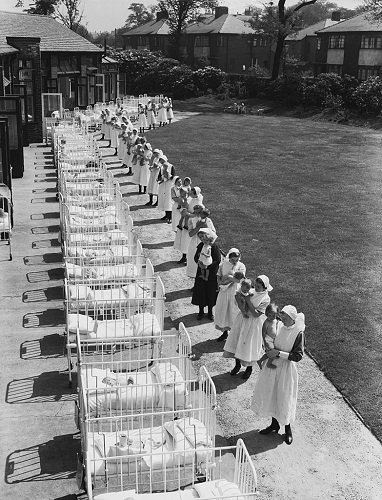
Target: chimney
(162, 14)
(336, 16)
(220, 11)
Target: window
(254, 42)
(334, 68)
(262, 42)
(142, 40)
(26, 77)
(82, 91)
(202, 41)
(371, 42)
(364, 72)
(319, 43)
(220, 41)
(336, 41)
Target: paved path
(333, 455)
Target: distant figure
(55, 114)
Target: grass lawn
(302, 200)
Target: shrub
(208, 78)
(288, 89)
(317, 92)
(367, 97)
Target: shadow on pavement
(48, 318)
(50, 346)
(45, 229)
(226, 382)
(53, 460)
(53, 243)
(45, 215)
(46, 258)
(191, 319)
(257, 443)
(166, 266)
(56, 273)
(206, 346)
(158, 246)
(44, 294)
(178, 294)
(49, 387)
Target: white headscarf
(298, 318)
(265, 280)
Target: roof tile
(55, 37)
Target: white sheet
(155, 442)
(5, 223)
(107, 391)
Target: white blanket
(155, 443)
(107, 392)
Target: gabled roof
(151, 28)
(55, 37)
(224, 24)
(357, 23)
(311, 30)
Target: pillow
(80, 292)
(167, 373)
(120, 250)
(84, 323)
(219, 488)
(145, 325)
(73, 270)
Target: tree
(42, 7)
(180, 12)
(139, 15)
(373, 9)
(277, 23)
(321, 10)
(69, 12)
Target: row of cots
(147, 421)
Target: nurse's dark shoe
(274, 427)
(288, 438)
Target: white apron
(245, 341)
(275, 393)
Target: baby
(245, 291)
(183, 207)
(269, 333)
(205, 258)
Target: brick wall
(29, 48)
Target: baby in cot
(269, 333)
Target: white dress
(245, 341)
(115, 131)
(194, 241)
(275, 393)
(162, 114)
(145, 172)
(142, 120)
(170, 114)
(136, 167)
(164, 193)
(176, 215)
(151, 120)
(226, 308)
(152, 187)
(121, 146)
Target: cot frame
(118, 309)
(204, 411)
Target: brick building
(226, 41)
(352, 47)
(39, 55)
(303, 44)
